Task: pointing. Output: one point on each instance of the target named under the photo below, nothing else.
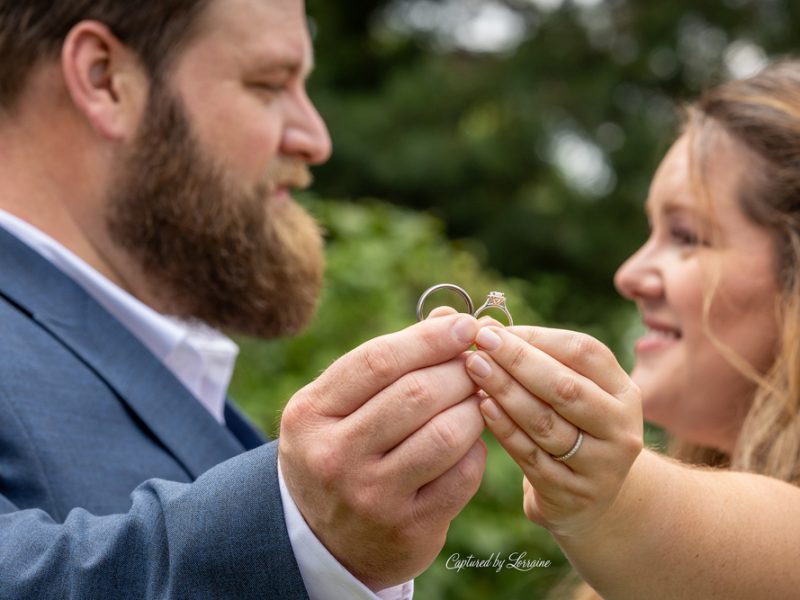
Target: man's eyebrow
(280, 67)
(285, 70)
(287, 66)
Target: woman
(717, 284)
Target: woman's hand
(543, 387)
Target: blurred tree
(531, 125)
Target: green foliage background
(452, 164)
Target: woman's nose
(639, 277)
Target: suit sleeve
(222, 536)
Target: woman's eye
(684, 236)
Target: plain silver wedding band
(572, 451)
(443, 286)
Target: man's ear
(105, 80)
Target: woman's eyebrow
(671, 207)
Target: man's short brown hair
(33, 31)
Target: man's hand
(383, 450)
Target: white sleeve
(323, 576)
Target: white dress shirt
(203, 360)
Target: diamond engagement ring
(496, 300)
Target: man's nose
(306, 135)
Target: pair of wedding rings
(493, 300)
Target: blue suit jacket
(114, 481)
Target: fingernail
(464, 330)
(488, 339)
(489, 408)
(479, 366)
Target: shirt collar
(200, 357)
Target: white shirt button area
(203, 360)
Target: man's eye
(269, 87)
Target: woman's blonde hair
(762, 113)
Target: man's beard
(209, 248)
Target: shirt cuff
(323, 576)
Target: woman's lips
(658, 337)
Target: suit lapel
(248, 435)
(142, 382)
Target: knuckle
(566, 389)
(630, 391)
(528, 334)
(290, 419)
(533, 457)
(517, 358)
(297, 414)
(542, 425)
(605, 352)
(504, 386)
(580, 346)
(469, 472)
(633, 445)
(445, 436)
(363, 501)
(380, 360)
(429, 337)
(325, 462)
(417, 395)
(506, 430)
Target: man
(146, 153)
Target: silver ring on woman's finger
(443, 286)
(496, 300)
(572, 451)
